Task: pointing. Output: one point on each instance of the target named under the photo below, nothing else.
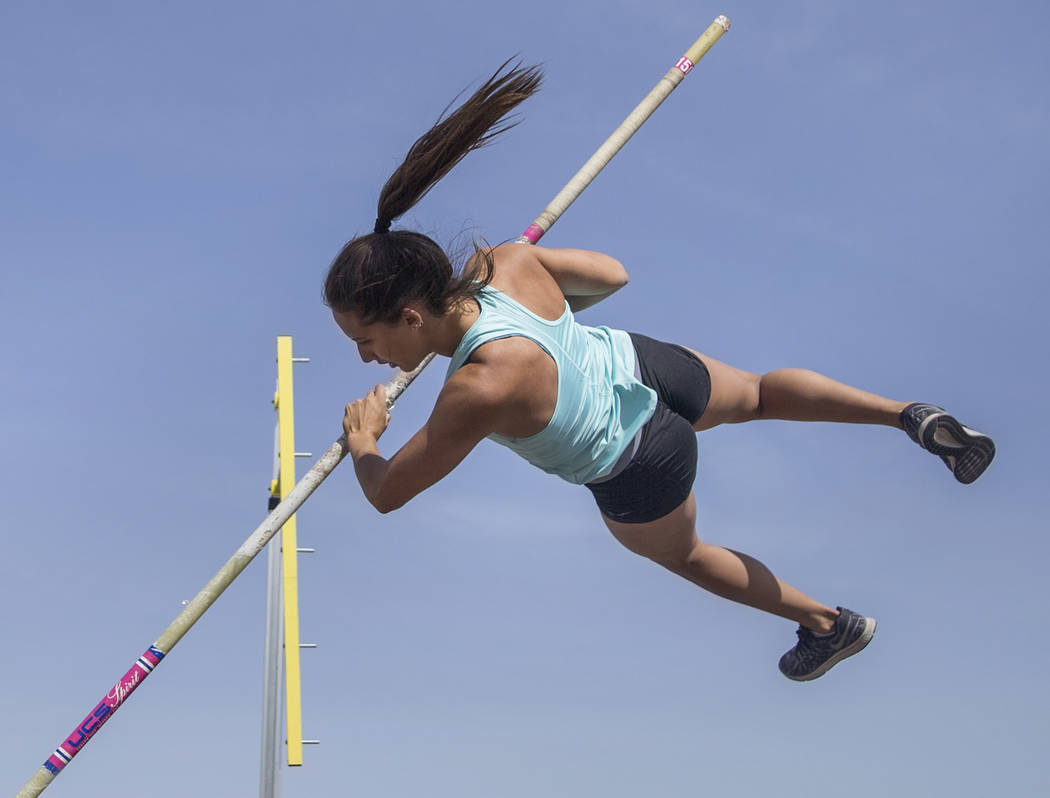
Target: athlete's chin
(411, 366)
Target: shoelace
(804, 634)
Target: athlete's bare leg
(672, 542)
(792, 395)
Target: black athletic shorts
(660, 475)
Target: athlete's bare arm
(583, 277)
(493, 392)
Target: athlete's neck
(449, 328)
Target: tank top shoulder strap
(502, 316)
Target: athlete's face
(398, 343)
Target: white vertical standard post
(273, 661)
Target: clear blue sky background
(858, 188)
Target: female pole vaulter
(614, 411)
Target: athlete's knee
(750, 404)
(772, 390)
(693, 563)
(673, 560)
(670, 551)
(669, 555)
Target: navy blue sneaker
(965, 451)
(814, 655)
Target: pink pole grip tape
(533, 232)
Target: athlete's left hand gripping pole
(145, 664)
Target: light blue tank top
(601, 404)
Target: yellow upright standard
(289, 550)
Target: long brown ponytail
(375, 273)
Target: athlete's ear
(411, 317)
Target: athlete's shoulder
(485, 388)
(503, 363)
(520, 274)
(514, 261)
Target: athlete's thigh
(666, 540)
(734, 394)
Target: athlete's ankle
(822, 623)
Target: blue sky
(856, 188)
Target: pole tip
(723, 20)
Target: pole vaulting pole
(257, 541)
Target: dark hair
(375, 273)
